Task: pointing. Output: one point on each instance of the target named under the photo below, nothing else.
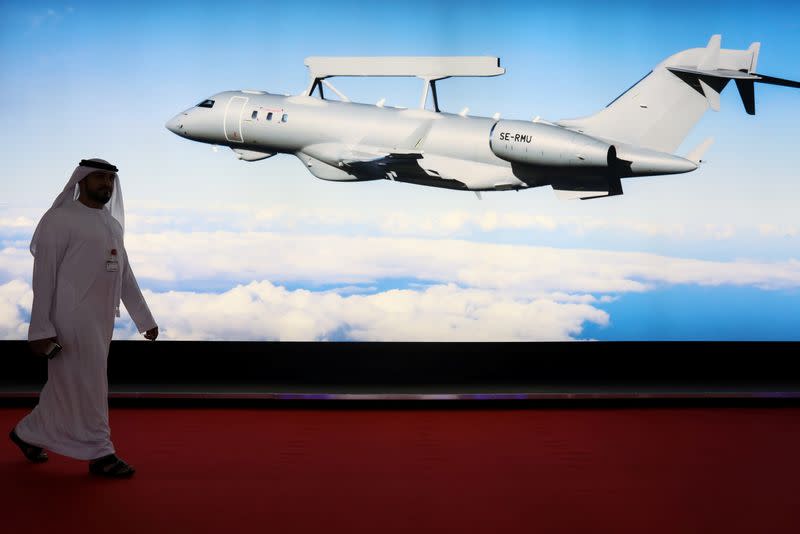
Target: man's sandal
(32, 452)
(111, 467)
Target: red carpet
(378, 471)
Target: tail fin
(660, 110)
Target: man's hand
(151, 334)
(40, 346)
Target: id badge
(112, 263)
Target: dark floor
(476, 468)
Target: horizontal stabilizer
(710, 82)
(716, 73)
(770, 80)
(746, 89)
(735, 75)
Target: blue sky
(83, 79)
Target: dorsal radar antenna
(429, 69)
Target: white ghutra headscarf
(72, 191)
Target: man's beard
(102, 196)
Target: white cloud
(719, 232)
(449, 223)
(263, 311)
(587, 225)
(343, 260)
(353, 290)
(16, 261)
(17, 222)
(15, 304)
(400, 222)
(461, 224)
(355, 260)
(456, 289)
(772, 230)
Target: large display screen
(229, 249)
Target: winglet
(754, 49)
(698, 151)
(710, 60)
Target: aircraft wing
(408, 150)
(401, 166)
(400, 163)
(377, 156)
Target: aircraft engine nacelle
(544, 145)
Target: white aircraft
(635, 135)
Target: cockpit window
(206, 104)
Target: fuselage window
(206, 104)
(269, 116)
(254, 115)
(285, 117)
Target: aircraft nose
(175, 124)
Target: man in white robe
(80, 274)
